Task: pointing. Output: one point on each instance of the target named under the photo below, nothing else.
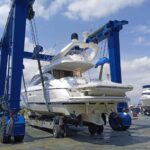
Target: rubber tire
(57, 131)
(100, 129)
(117, 127)
(125, 128)
(18, 138)
(92, 129)
(3, 137)
(66, 130)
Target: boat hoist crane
(12, 53)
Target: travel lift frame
(12, 53)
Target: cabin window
(77, 73)
(62, 73)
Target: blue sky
(57, 19)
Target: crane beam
(111, 31)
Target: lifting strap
(101, 72)
(37, 49)
(26, 92)
(104, 55)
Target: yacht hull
(145, 102)
(89, 108)
(79, 106)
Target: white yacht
(145, 100)
(67, 92)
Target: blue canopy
(102, 61)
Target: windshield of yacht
(75, 50)
(37, 79)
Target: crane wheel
(116, 123)
(100, 129)
(66, 130)
(92, 129)
(58, 131)
(125, 128)
(3, 137)
(18, 138)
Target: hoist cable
(103, 55)
(35, 41)
(36, 33)
(32, 34)
(106, 48)
(26, 92)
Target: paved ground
(136, 138)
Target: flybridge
(109, 31)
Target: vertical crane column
(3, 68)
(114, 56)
(19, 24)
(114, 49)
(12, 45)
(5, 50)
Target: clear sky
(57, 19)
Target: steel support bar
(42, 57)
(114, 57)
(19, 24)
(5, 50)
(3, 68)
(105, 31)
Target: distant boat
(145, 100)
